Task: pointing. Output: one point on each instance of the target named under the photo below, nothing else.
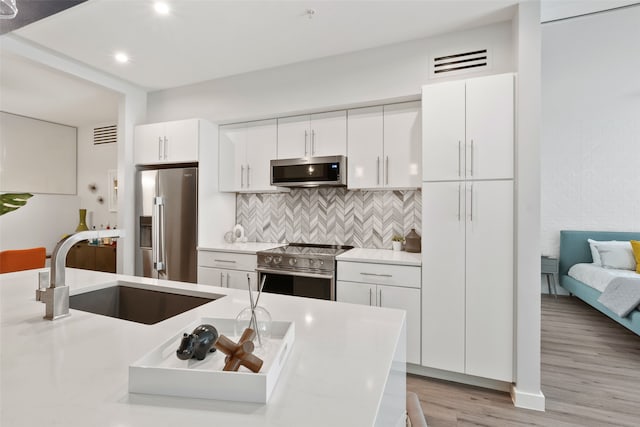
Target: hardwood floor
(590, 377)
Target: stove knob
(277, 259)
(321, 262)
(293, 261)
(268, 259)
(312, 262)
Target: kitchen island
(346, 367)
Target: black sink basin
(136, 305)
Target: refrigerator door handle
(158, 234)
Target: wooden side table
(549, 268)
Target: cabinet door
(212, 276)
(294, 137)
(443, 131)
(232, 157)
(262, 139)
(356, 293)
(407, 299)
(148, 144)
(106, 259)
(443, 276)
(182, 138)
(489, 299)
(490, 127)
(329, 134)
(237, 279)
(402, 145)
(365, 152)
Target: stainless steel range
(300, 269)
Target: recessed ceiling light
(161, 8)
(121, 57)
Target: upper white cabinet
(321, 134)
(468, 129)
(245, 152)
(385, 146)
(167, 142)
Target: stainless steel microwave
(309, 172)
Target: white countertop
(242, 248)
(381, 256)
(74, 371)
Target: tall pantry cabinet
(467, 221)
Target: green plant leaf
(9, 202)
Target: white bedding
(598, 277)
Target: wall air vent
(105, 134)
(460, 63)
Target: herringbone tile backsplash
(331, 215)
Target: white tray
(161, 372)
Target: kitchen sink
(134, 304)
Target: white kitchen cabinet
(467, 285)
(246, 150)
(384, 285)
(468, 129)
(385, 146)
(320, 134)
(168, 142)
(227, 269)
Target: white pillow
(617, 255)
(594, 251)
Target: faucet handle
(43, 283)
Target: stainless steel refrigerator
(167, 220)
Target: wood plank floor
(590, 377)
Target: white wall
(590, 147)
(94, 161)
(379, 74)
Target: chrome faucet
(56, 296)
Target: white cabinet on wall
(468, 129)
(245, 152)
(227, 270)
(383, 285)
(467, 214)
(321, 134)
(168, 142)
(385, 146)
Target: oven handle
(294, 273)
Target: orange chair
(22, 259)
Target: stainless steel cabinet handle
(221, 279)
(305, 142)
(159, 148)
(313, 142)
(165, 147)
(378, 275)
(228, 279)
(459, 160)
(225, 260)
(241, 176)
(387, 170)
(379, 297)
(472, 157)
(459, 187)
(248, 176)
(370, 292)
(472, 201)
(378, 170)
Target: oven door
(296, 283)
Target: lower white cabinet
(400, 291)
(227, 270)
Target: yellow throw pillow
(635, 245)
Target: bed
(574, 249)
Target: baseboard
(458, 377)
(534, 401)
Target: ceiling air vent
(460, 63)
(105, 134)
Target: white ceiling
(206, 39)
